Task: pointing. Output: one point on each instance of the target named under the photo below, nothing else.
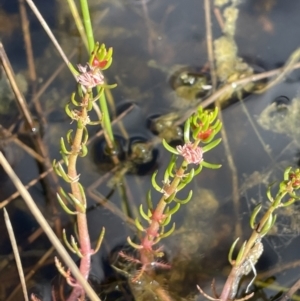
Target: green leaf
(185, 201)
(143, 214)
(134, 245)
(139, 225)
(64, 207)
(154, 184)
(67, 242)
(211, 145)
(210, 165)
(231, 251)
(99, 241)
(240, 254)
(186, 130)
(149, 201)
(173, 210)
(169, 147)
(164, 235)
(254, 215)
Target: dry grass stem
(19, 97)
(16, 253)
(48, 31)
(27, 40)
(235, 183)
(209, 44)
(291, 292)
(227, 88)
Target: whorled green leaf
(78, 204)
(291, 201)
(65, 158)
(139, 225)
(210, 165)
(166, 176)
(57, 167)
(84, 151)
(214, 114)
(134, 245)
(254, 215)
(82, 194)
(85, 136)
(186, 130)
(211, 145)
(294, 196)
(267, 226)
(169, 147)
(231, 261)
(286, 175)
(63, 147)
(64, 206)
(68, 111)
(269, 195)
(108, 64)
(240, 254)
(166, 234)
(75, 247)
(149, 200)
(69, 137)
(170, 198)
(153, 181)
(143, 214)
(173, 210)
(90, 104)
(185, 201)
(198, 170)
(74, 101)
(166, 220)
(99, 241)
(189, 177)
(67, 242)
(94, 123)
(218, 127)
(171, 166)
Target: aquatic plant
(88, 77)
(199, 129)
(252, 249)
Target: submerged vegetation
(160, 255)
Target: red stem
(82, 225)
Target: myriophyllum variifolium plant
(186, 162)
(252, 249)
(90, 86)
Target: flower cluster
(190, 153)
(90, 76)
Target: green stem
(106, 123)
(87, 24)
(78, 22)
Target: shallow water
(172, 35)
